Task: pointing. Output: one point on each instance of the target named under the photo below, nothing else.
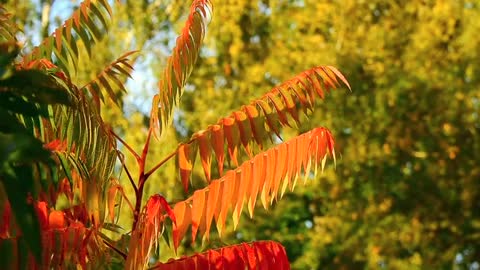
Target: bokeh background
(405, 191)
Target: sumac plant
(54, 144)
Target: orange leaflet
(231, 132)
(272, 119)
(245, 130)
(213, 195)
(198, 206)
(185, 163)
(270, 176)
(183, 215)
(243, 178)
(292, 165)
(277, 168)
(205, 153)
(289, 103)
(216, 140)
(256, 123)
(226, 189)
(274, 98)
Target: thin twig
(123, 255)
(130, 178)
(126, 145)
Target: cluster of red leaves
(148, 230)
(258, 255)
(65, 238)
(64, 242)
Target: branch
(145, 151)
(160, 164)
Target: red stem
(167, 158)
(142, 178)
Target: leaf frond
(113, 75)
(88, 23)
(180, 64)
(66, 243)
(8, 28)
(255, 255)
(83, 145)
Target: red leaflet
(215, 259)
(251, 256)
(56, 145)
(42, 213)
(155, 207)
(56, 220)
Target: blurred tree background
(405, 193)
